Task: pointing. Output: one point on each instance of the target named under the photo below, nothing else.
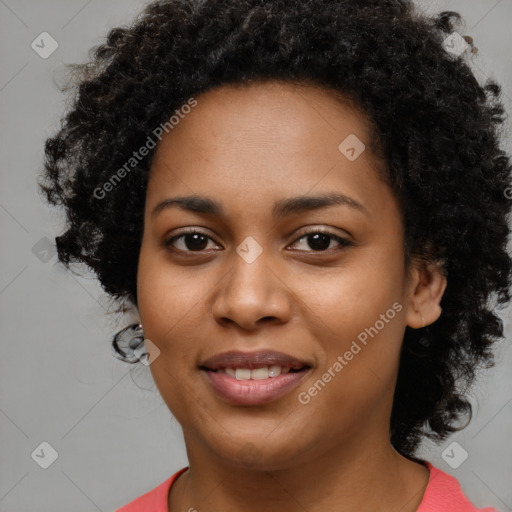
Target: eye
(196, 241)
(193, 241)
(320, 240)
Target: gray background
(59, 383)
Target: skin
(248, 147)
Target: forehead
(269, 112)
(266, 139)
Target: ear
(427, 284)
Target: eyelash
(342, 241)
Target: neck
(365, 476)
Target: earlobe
(429, 284)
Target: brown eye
(189, 241)
(197, 241)
(320, 241)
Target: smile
(254, 387)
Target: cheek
(352, 298)
(166, 305)
(359, 312)
(173, 312)
(359, 325)
(164, 294)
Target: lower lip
(253, 392)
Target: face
(324, 283)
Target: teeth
(242, 373)
(260, 373)
(275, 371)
(230, 371)
(257, 374)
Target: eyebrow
(282, 208)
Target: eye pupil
(198, 241)
(319, 241)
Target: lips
(253, 378)
(252, 360)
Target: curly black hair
(435, 125)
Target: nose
(251, 295)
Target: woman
(307, 203)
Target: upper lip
(253, 360)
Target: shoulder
(154, 500)
(444, 493)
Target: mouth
(262, 373)
(244, 378)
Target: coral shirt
(443, 494)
